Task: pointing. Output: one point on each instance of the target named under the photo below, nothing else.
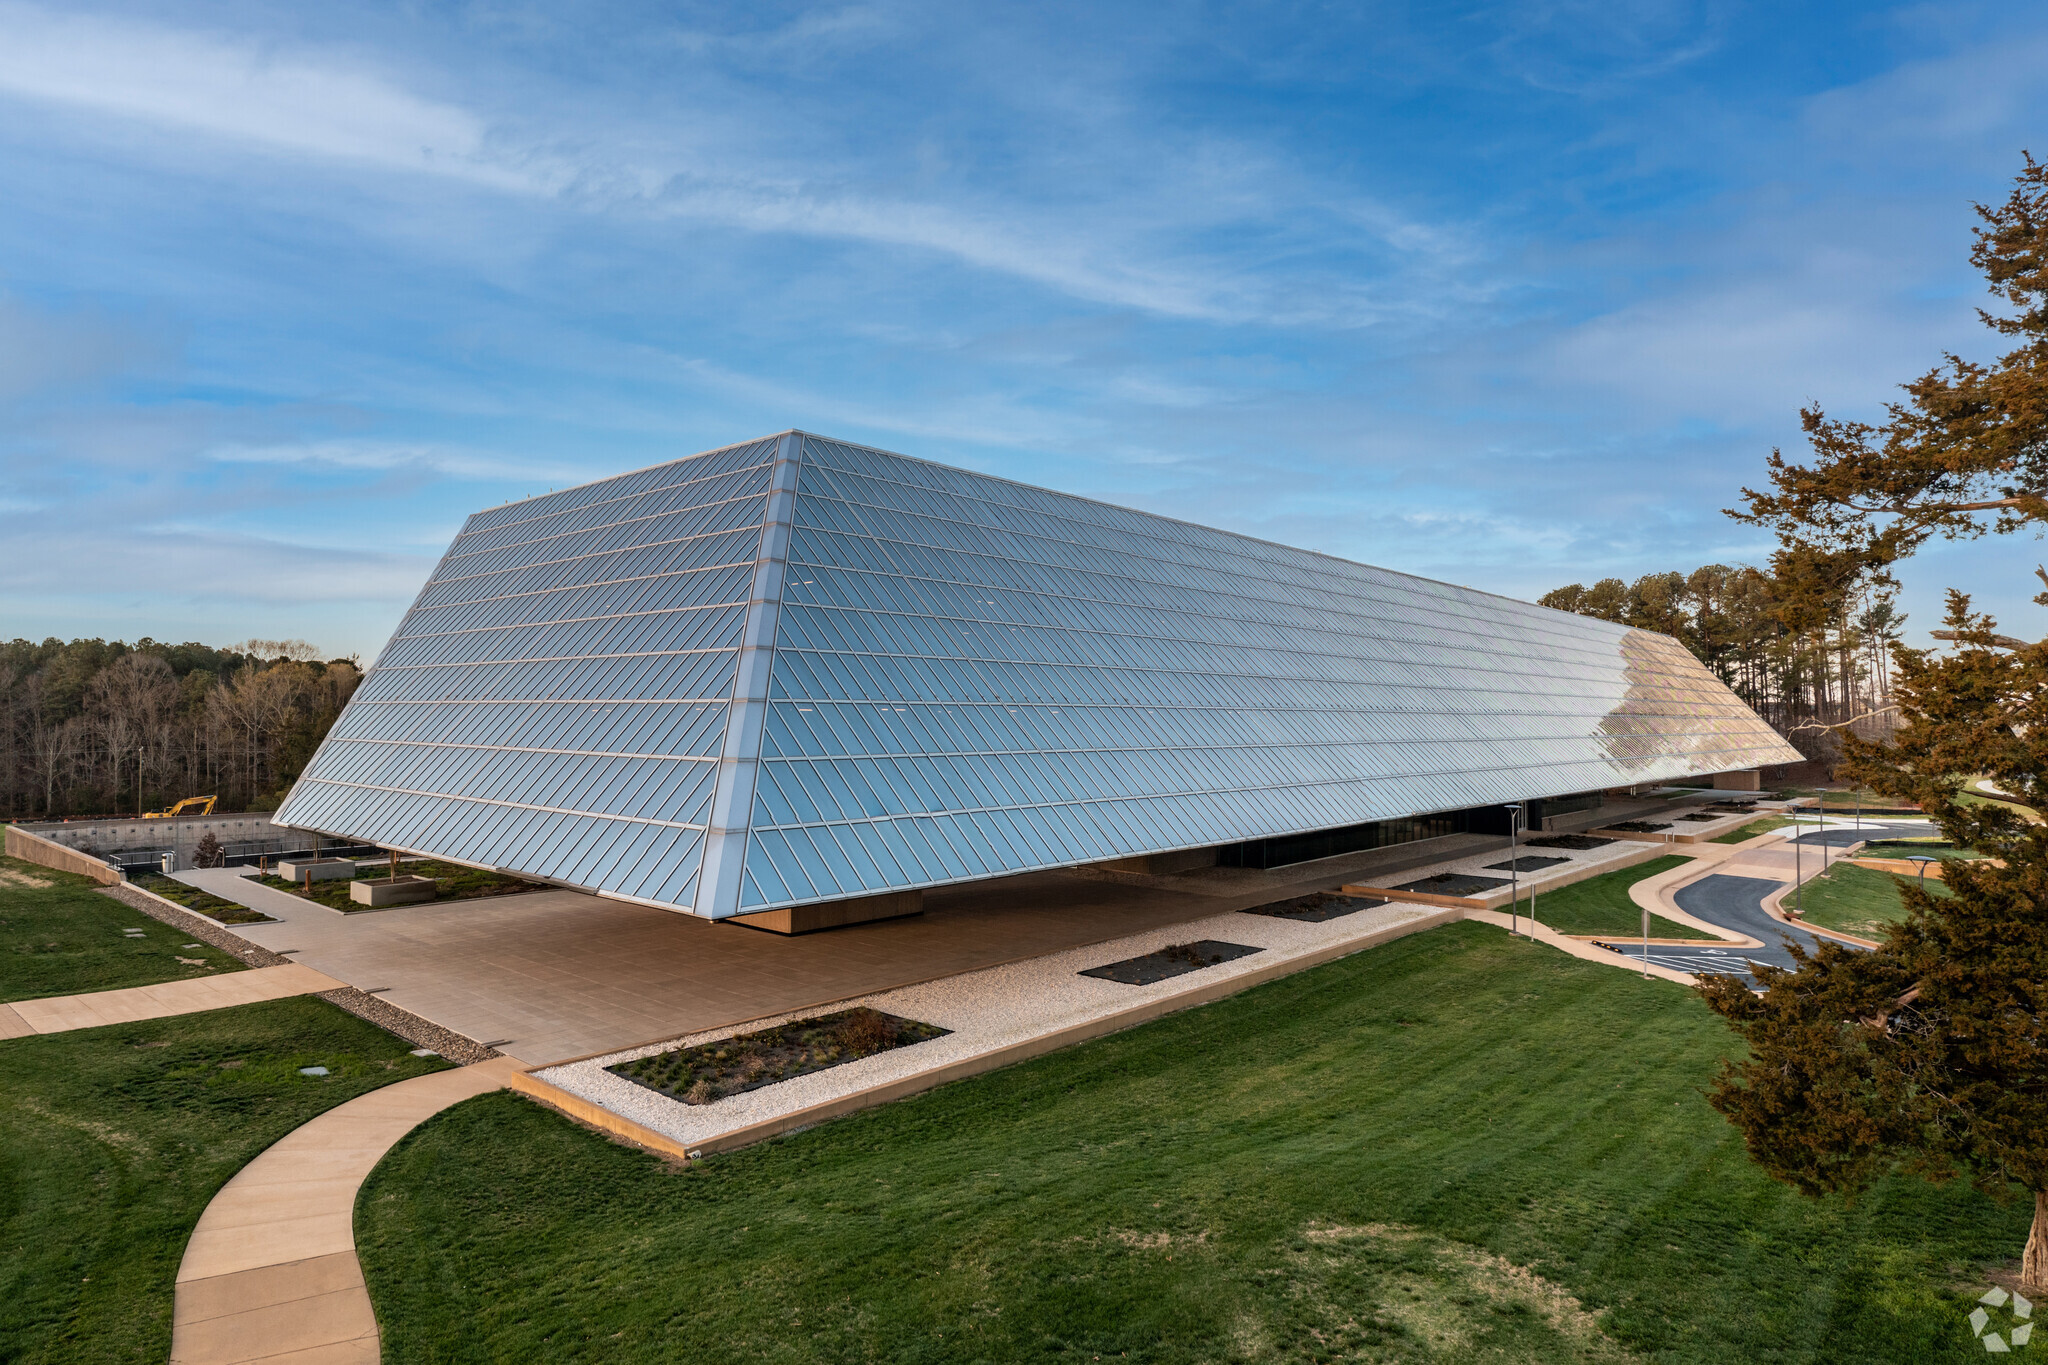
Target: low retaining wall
(33, 848)
(1495, 900)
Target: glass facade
(811, 670)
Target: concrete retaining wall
(33, 848)
(116, 835)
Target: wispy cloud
(454, 462)
(1131, 248)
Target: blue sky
(1506, 294)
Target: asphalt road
(1733, 903)
(1841, 838)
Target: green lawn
(1600, 905)
(205, 902)
(1856, 900)
(60, 936)
(1456, 1147)
(452, 882)
(112, 1140)
(1752, 829)
(1907, 848)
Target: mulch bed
(733, 1066)
(1581, 842)
(1639, 826)
(1526, 864)
(1701, 817)
(1174, 960)
(1455, 884)
(1317, 907)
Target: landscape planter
(320, 869)
(392, 891)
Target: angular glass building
(797, 671)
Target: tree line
(97, 727)
(1802, 661)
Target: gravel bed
(409, 1026)
(986, 1011)
(205, 930)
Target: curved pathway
(270, 1273)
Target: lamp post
(1514, 810)
(1923, 860)
(1798, 877)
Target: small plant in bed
(204, 902)
(733, 1066)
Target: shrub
(866, 1031)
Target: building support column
(739, 762)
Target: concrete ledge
(988, 1061)
(596, 1116)
(392, 891)
(320, 869)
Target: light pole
(1798, 877)
(1514, 810)
(1923, 860)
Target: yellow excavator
(185, 807)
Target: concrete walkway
(270, 1273)
(61, 1013)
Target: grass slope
(62, 937)
(1856, 900)
(1455, 1147)
(112, 1140)
(1600, 905)
(1752, 829)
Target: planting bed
(1701, 817)
(203, 902)
(1639, 826)
(1578, 842)
(1454, 884)
(1525, 864)
(1317, 907)
(732, 1066)
(1174, 960)
(452, 882)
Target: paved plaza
(550, 975)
